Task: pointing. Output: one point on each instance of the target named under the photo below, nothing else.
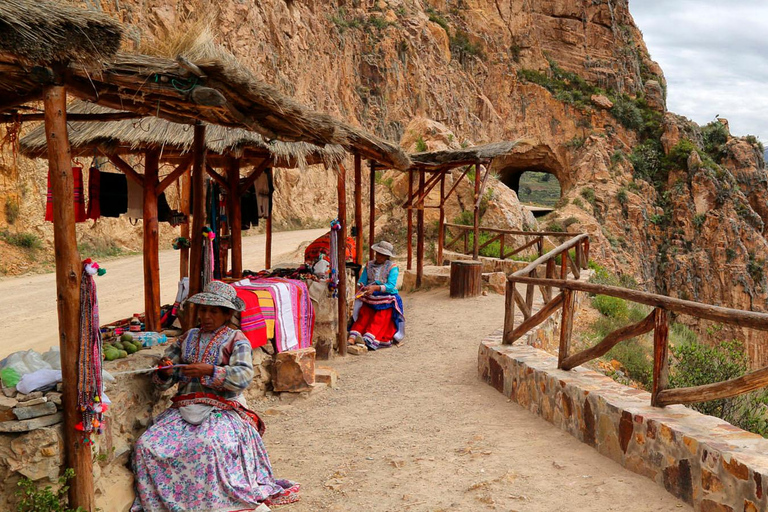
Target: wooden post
(566, 328)
(184, 199)
(420, 234)
(372, 213)
(476, 225)
(441, 223)
(509, 313)
(268, 248)
(341, 340)
(660, 357)
(235, 217)
(409, 236)
(466, 278)
(358, 209)
(68, 272)
(198, 213)
(151, 242)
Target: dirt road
(28, 303)
(413, 429)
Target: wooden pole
(566, 328)
(68, 272)
(235, 217)
(184, 200)
(441, 223)
(151, 242)
(372, 213)
(409, 236)
(476, 225)
(509, 313)
(341, 340)
(358, 209)
(268, 248)
(420, 234)
(660, 358)
(198, 212)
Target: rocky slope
(572, 76)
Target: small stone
(34, 401)
(54, 397)
(35, 411)
(601, 101)
(48, 451)
(27, 425)
(21, 397)
(357, 350)
(294, 370)
(9, 392)
(7, 403)
(325, 375)
(60, 387)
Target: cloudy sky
(714, 54)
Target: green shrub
(756, 268)
(627, 113)
(100, 249)
(421, 146)
(610, 306)
(715, 135)
(754, 141)
(24, 239)
(621, 196)
(576, 142)
(11, 209)
(556, 227)
(589, 195)
(465, 218)
(636, 357)
(678, 155)
(438, 18)
(699, 219)
(578, 202)
(33, 499)
(570, 221)
(647, 158)
(461, 46)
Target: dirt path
(28, 303)
(413, 429)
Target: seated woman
(378, 312)
(205, 453)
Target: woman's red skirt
(375, 324)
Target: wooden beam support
(122, 165)
(521, 303)
(341, 339)
(441, 223)
(372, 209)
(610, 341)
(482, 186)
(660, 355)
(476, 217)
(151, 242)
(420, 235)
(198, 214)
(175, 174)
(358, 209)
(100, 118)
(251, 179)
(456, 183)
(69, 270)
(185, 194)
(218, 178)
(268, 248)
(509, 313)
(409, 226)
(536, 319)
(716, 391)
(566, 327)
(235, 217)
(422, 195)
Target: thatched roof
(135, 135)
(41, 31)
(451, 158)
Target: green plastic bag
(10, 377)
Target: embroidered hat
(217, 293)
(384, 248)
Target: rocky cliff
(679, 208)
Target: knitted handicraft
(208, 261)
(89, 381)
(333, 281)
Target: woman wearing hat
(378, 313)
(205, 453)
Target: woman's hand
(165, 374)
(197, 370)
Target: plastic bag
(25, 362)
(10, 377)
(53, 358)
(38, 379)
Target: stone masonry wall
(701, 459)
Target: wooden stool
(466, 278)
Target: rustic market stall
(48, 50)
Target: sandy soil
(28, 303)
(413, 429)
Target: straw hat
(384, 248)
(217, 293)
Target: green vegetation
(627, 113)
(463, 47)
(715, 135)
(621, 196)
(755, 268)
(25, 240)
(438, 18)
(32, 499)
(539, 188)
(589, 195)
(421, 146)
(11, 209)
(699, 219)
(101, 249)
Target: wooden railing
(510, 242)
(657, 321)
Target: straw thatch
(41, 31)
(451, 158)
(132, 136)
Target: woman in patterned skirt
(378, 313)
(205, 453)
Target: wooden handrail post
(540, 246)
(550, 275)
(586, 253)
(579, 256)
(509, 313)
(566, 328)
(501, 246)
(68, 273)
(660, 355)
(564, 264)
(151, 241)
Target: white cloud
(714, 58)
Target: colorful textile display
(94, 190)
(206, 452)
(288, 312)
(113, 194)
(89, 384)
(79, 197)
(323, 245)
(252, 321)
(135, 200)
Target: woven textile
(79, 197)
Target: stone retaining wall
(701, 459)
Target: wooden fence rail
(574, 255)
(509, 239)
